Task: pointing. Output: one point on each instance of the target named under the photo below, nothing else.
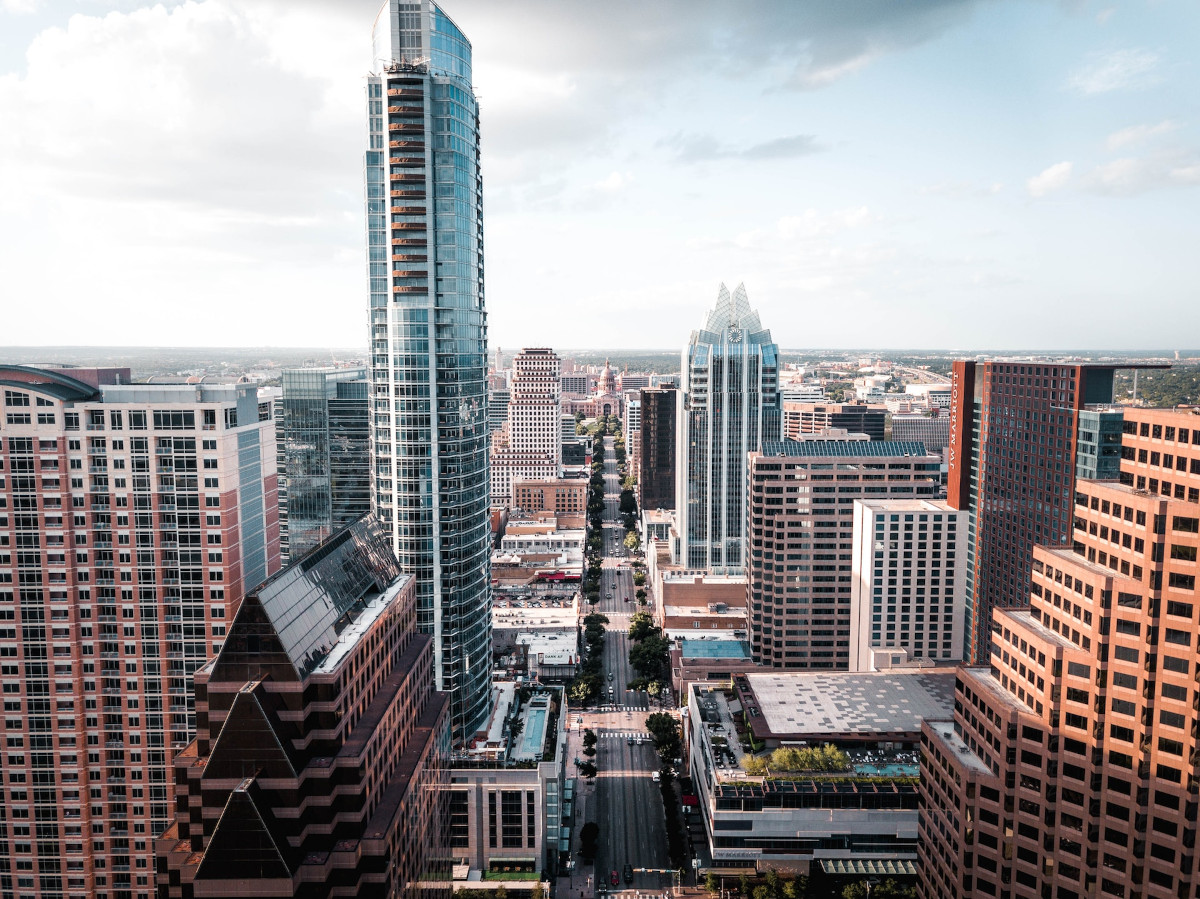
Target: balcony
(406, 110)
(406, 144)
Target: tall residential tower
(429, 436)
(729, 406)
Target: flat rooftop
(802, 704)
(953, 742)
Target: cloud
(961, 189)
(1131, 69)
(1138, 133)
(1052, 179)
(1129, 175)
(616, 181)
(705, 148)
(19, 7)
(1105, 14)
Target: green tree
(589, 737)
(537, 892)
(774, 884)
(711, 883)
(639, 578)
(744, 885)
(761, 892)
(587, 769)
(641, 626)
(632, 541)
(589, 836)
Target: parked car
(628, 873)
(656, 777)
(614, 878)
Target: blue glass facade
(729, 406)
(429, 431)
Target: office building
(801, 540)
(132, 520)
(907, 598)
(931, 430)
(728, 407)
(1069, 767)
(498, 399)
(811, 418)
(318, 760)
(565, 497)
(656, 448)
(633, 429)
(324, 455)
(1014, 447)
(429, 358)
(531, 447)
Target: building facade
(811, 418)
(132, 520)
(931, 430)
(1014, 442)
(428, 326)
(728, 407)
(318, 760)
(565, 497)
(1069, 768)
(324, 455)
(909, 578)
(657, 449)
(531, 447)
(801, 540)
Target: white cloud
(1119, 70)
(1138, 133)
(1134, 175)
(616, 181)
(1051, 179)
(19, 7)
(1105, 14)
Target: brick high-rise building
(531, 448)
(656, 448)
(316, 766)
(324, 455)
(1016, 434)
(800, 540)
(1071, 766)
(132, 520)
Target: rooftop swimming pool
(887, 770)
(533, 735)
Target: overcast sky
(928, 173)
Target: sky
(941, 174)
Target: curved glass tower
(429, 436)
(729, 405)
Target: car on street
(610, 677)
(656, 777)
(614, 878)
(629, 741)
(628, 873)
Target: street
(624, 800)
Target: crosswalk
(624, 735)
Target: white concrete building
(908, 596)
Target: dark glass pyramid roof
(314, 599)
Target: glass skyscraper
(729, 406)
(428, 371)
(324, 455)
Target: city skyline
(905, 163)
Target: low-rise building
(565, 497)
(506, 790)
(797, 821)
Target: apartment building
(132, 520)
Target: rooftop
(962, 752)
(796, 448)
(802, 704)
